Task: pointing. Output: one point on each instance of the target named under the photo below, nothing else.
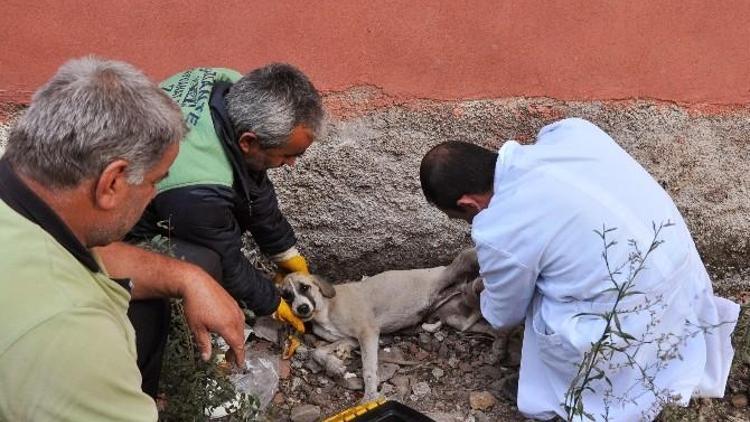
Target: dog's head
(306, 294)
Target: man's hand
(284, 313)
(209, 308)
(289, 262)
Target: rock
(465, 367)
(431, 328)
(267, 328)
(481, 417)
(739, 401)
(312, 366)
(481, 400)
(352, 382)
(421, 355)
(386, 371)
(453, 362)
(285, 369)
(439, 336)
(402, 384)
(305, 413)
(424, 339)
(387, 389)
(278, 399)
(444, 351)
(421, 389)
(391, 354)
(296, 383)
(438, 373)
(489, 371)
(318, 398)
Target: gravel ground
(457, 377)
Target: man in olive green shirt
(81, 165)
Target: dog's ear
(326, 288)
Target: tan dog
(358, 312)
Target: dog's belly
(328, 332)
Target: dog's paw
(368, 397)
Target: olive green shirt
(67, 348)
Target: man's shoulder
(42, 278)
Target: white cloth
(541, 260)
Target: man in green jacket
(80, 166)
(218, 188)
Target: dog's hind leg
(368, 343)
(325, 356)
(464, 267)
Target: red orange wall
(694, 51)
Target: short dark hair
(271, 101)
(453, 169)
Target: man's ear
(326, 288)
(111, 186)
(248, 142)
(469, 203)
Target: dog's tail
(464, 268)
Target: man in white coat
(535, 212)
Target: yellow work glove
(284, 313)
(292, 264)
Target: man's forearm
(153, 275)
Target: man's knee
(206, 258)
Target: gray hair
(271, 101)
(91, 113)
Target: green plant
(191, 388)
(616, 349)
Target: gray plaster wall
(357, 205)
(355, 200)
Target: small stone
(439, 336)
(312, 366)
(431, 328)
(391, 354)
(424, 339)
(402, 384)
(444, 351)
(386, 371)
(318, 398)
(438, 373)
(421, 355)
(421, 389)
(739, 401)
(465, 367)
(352, 382)
(305, 413)
(453, 362)
(296, 383)
(387, 389)
(278, 399)
(481, 400)
(285, 369)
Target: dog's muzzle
(304, 310)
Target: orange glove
(289, 262)
(284, 313)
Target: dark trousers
(150, 318)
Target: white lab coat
(541, 260)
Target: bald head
(453, 169)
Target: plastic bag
(260, 378)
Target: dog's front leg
(368, 343)
(325, 356)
